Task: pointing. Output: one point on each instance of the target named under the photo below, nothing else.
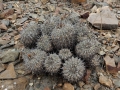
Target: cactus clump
(73, 69)
(64, 54)
(63, 37)
(34, 59)
(44, 43)
(30, 35)
(52, 63)
(87, 48)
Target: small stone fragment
(97, 86)
(105, 81)
(85, 15)
(102, 53)
(33, 15)
(68, 86)
(116, 82)
(5, 22)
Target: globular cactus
(52, 63)
(34, 59)
(63, 37)
(83, 32)
(30, 35)
(87, 48)
(48, 26)
(64, 54)
(73, 69)
(44, 43)
(73, 18)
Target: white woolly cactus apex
(64, 54)
(63, 37)
(30, 35)
(33, 60)
(44, 43)
(73, 69)
(52, 63)
(87, 48)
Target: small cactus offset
(64, 54)
(44, 43)
(48, 26)
(63, 37)
(73, 69)
(52, 63)
(34, 59)
(87, 48)
(30, 35)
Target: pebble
(6, 22)
(30, 84)
(116, 82)
(105, 81)
(88, 87)
(33, 15)
(68, 86)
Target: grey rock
(116, 82)
(33, 15)
(9, 30)
(6, 22)
(118, 12)
(104, 19)
(9, 56)
(22, 20)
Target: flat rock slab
(104, 19)
(9, 73)
(9, 56)
(16, 84)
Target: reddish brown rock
(110, 65)
(7, 13)
(85, 15)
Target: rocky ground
(15, 15)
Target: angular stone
(9, 56)
(105, 19)
(68, 86)
(110, 65)
(9, 73)
(105, 81)
(116, 82)
(16, 84)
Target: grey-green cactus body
(73, 69)
(33, 60)
(52, 63)
(30, 35)
(87, 48)
(64, 54)
(63, 37)
(44, 43)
